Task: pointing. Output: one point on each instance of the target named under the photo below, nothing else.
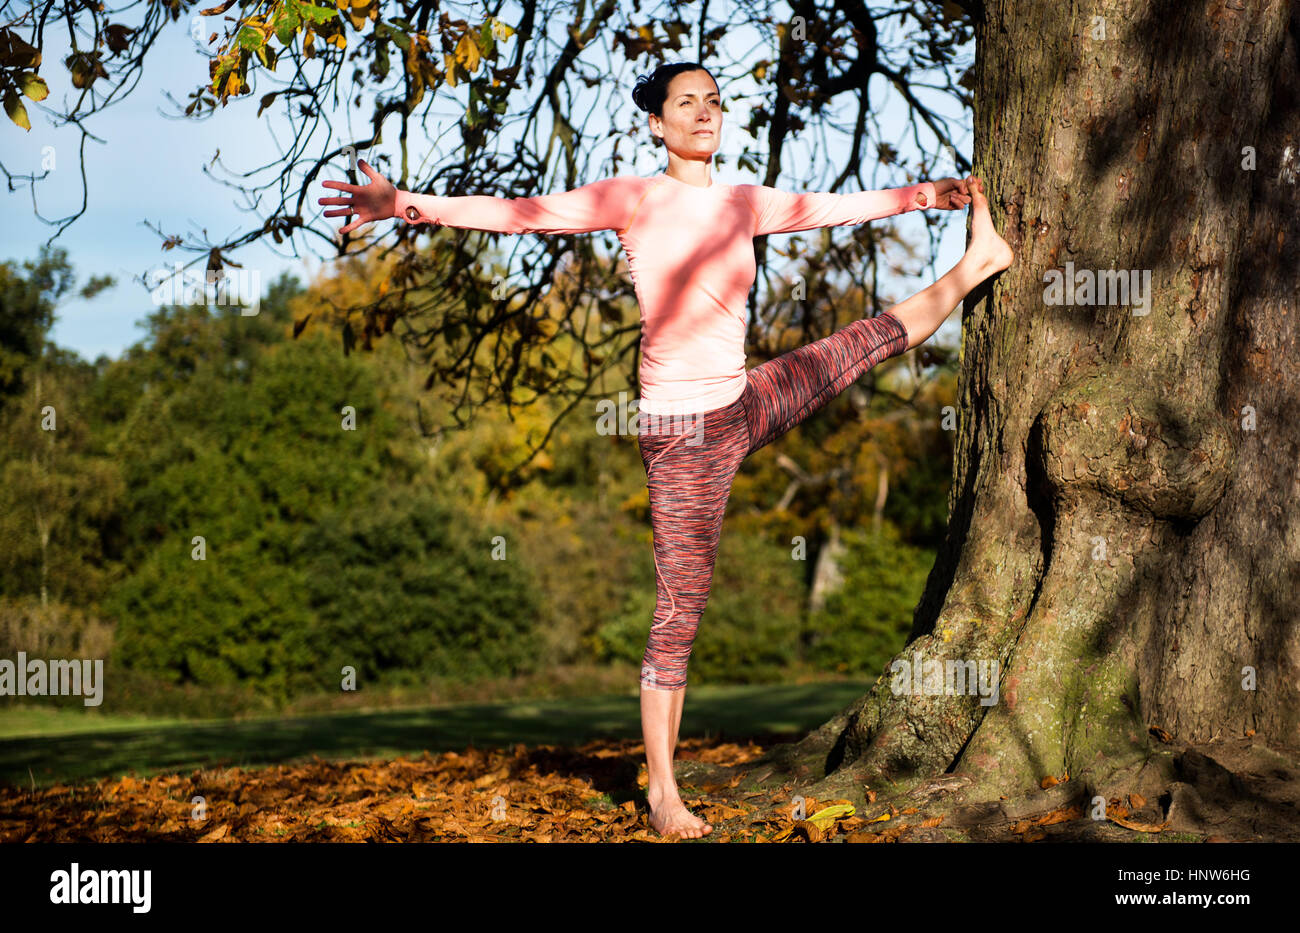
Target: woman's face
(692, 120)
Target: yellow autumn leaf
(823, 819)
(827, 815)
(16, 111)
(468, 52)
(34, 86)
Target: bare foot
(989, 250)
(668, 815)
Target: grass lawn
(48, 746)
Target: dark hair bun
(639, 92)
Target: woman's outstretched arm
(783, 212)
(602, 205)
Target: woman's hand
(375, 201)
(952, 194)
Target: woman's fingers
(354, 203)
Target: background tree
(57, 492)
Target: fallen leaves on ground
(1031, 830)
(539, 794)
(820, 824)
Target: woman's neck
(697, 172)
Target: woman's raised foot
(987, 248)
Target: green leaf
(250, 40)
(286, 25)
(402, 40)
(487, 41)
(318, 14)
(16, 111)
(33, 86)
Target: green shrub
(866, 621)
(320, 553)
(403, 589)
(749, 631)
(395, 588)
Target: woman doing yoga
(688, 241)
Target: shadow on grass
(729, 713)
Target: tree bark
(1124, 519)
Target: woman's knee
(660, 676)
(668, 648)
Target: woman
(688, 242)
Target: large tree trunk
(1124, 530)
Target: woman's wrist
(927, 189)
(403, 208)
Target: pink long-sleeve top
(691, 257)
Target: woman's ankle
(662, 791)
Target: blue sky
(150, 168)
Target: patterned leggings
(689, 476)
